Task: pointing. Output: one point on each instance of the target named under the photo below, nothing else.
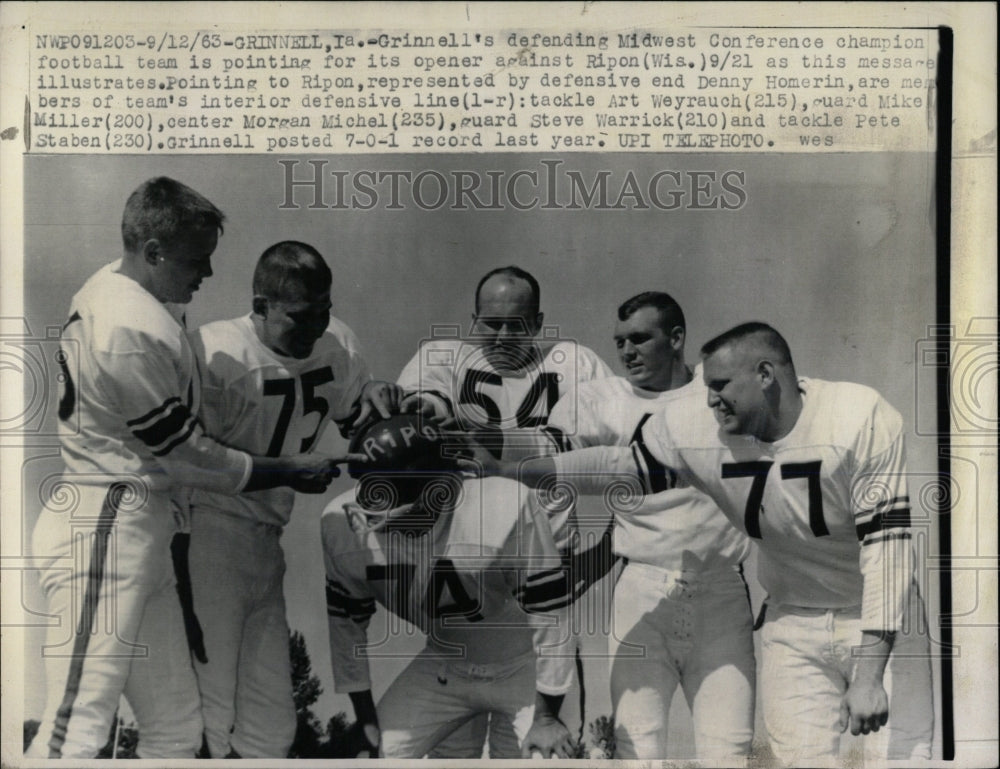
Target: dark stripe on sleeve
(578, 572)
(546, 591)
(891, 519)
(340, 604)
(886, 536)
(84, 629)
(168, 403)
(890, 503)
(171, 424)
(178, 440)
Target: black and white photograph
(672, 454)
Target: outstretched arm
(306, 473)
(588, 471)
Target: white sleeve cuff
(247, 461)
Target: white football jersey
(479, 396)
(827, 504)
(466, 583)
(272, 405)
(129, 394)
(677, 527)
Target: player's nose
(507, 331)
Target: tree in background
(305, 692)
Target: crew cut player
(129, 437)
(272, 381)
(681, 614)
(503, 377)
(815, 473)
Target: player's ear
(260, 306)
(539, 319)
(765, 372)
(677, 338)
(151, 251)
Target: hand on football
(430, 408)
(381, 397)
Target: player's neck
(132, 267)
(784, 417)
(680, 375)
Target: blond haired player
(107, 572)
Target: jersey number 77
(790, 471)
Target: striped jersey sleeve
(342, 604)
(556, 577)
(158, 401)
(881, 507)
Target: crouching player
(461, 559)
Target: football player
(449, 555)
(683, 616)
(272, 380)
(129, 437)
(504, 378)
(815, 473)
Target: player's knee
(634, 742)
(791, 752)
(274, 741)
(734, 744)
(395, 745)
